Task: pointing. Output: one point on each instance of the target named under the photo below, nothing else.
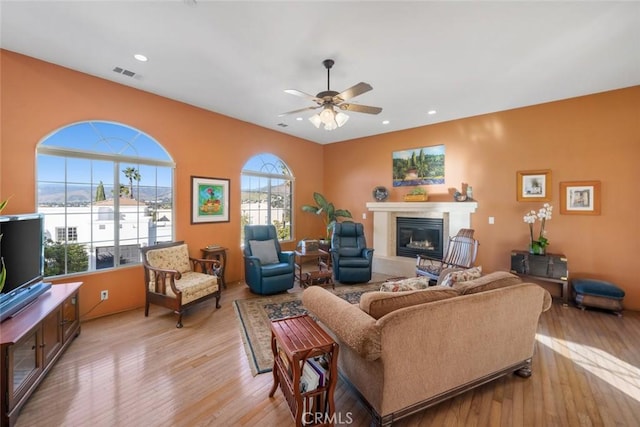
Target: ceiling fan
(329, 99)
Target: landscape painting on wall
(420, 166)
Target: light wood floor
(128, 370)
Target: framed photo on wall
(580, 198)
(209, 200)
(533, 186)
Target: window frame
(261, 174)
(119, 162)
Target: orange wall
(38, 98)
(587, 138)
(593, 137)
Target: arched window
(102, 188)
(266, 193)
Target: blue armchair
(267, 269)
(349, 253)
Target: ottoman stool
(598, 294)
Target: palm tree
(131, 174)
(100, 192)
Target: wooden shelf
(298, 339)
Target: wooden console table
(219, 253)
(320, 255)
(550, 268)
(294, 340)
(32, 341)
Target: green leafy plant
(418, 191)
(327, 211)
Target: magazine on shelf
(310, 378)
(322, 372)
(285, 360)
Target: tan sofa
(406, 351)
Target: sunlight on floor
(616, 372)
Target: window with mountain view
(266, 193)
(105, 190)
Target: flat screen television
(22, 251)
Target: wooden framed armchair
(175, 280)
(460, 253)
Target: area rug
(255, 315)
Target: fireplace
(454, 216)
(419, 236)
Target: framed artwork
(209, 200)
(580, 198)
(420, 166)
(533, 186)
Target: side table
(294, 341)
(320, 255)
(219, 253)
(546, 268)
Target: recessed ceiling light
(140, 57)
(299, 119)
(431, 112)
(385, 122)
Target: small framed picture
(580, 198)
(533, 186)
(209, 200)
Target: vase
(535, 248)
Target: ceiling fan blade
(352, 92)
(297, 111)
(360, 108)
(304, 95)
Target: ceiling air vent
(124, 72)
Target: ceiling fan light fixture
(341, 119)
(316, 120)
(328, 115)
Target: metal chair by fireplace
(461, 253)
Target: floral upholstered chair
(175, 280)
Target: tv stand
(12, 303)
(32, 341)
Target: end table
(219, 253)
(295, 340)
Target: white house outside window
(101, 187)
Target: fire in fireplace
(419, 236)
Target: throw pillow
(462, 276)
(265, 250)
(411, 284)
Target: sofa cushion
(410, 284)
(265, 250)
(378, 304)
(462, 276)
(495, 280)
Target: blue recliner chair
(267, 269)
(349, 253)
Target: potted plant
(329, 215)
(418, 194)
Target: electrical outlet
(104, 295)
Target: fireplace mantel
(455, 215)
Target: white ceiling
(237, 58)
